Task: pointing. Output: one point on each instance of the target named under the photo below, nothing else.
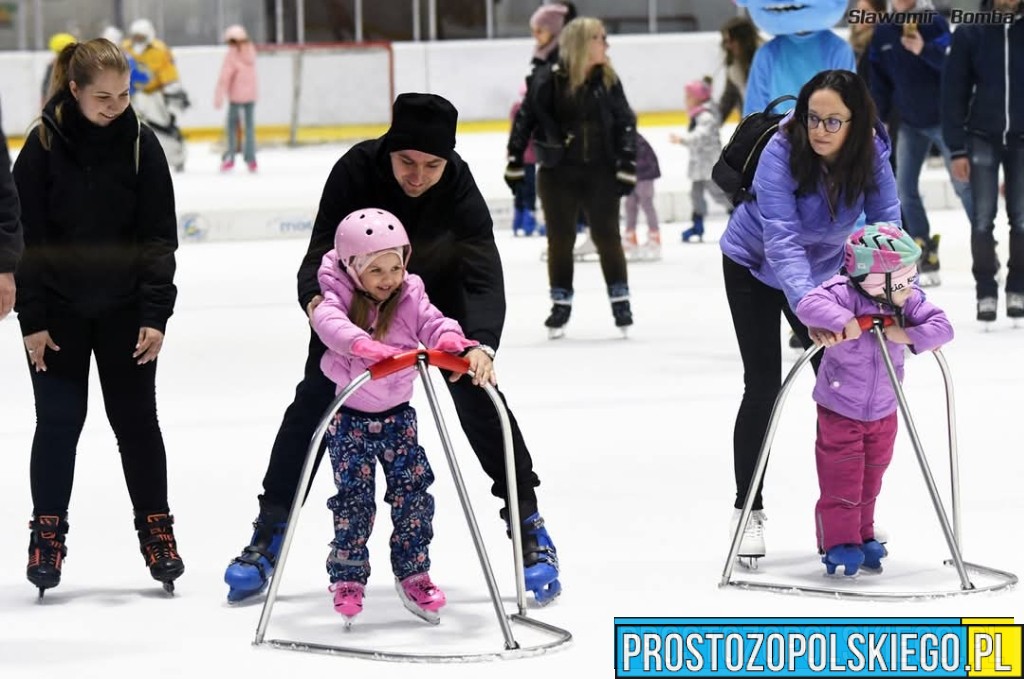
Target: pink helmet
(366, 232)
(235, 32)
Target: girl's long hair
(362, 305)
(82, 62)
(573, 48)
(852, 173)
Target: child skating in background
(524, 216)
(642, 198)
(372, 310)
(237, 82)
(704, 141)
(856, 401)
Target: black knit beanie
(422, 122)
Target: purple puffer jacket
(795, 243)
(416, 322)
(852, 379)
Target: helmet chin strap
(886, 300)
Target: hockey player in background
(161, 100)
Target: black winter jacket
(98, 213)
(983, 84)
(449, 227)
(594, 126)
(11, 242)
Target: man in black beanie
(413, 172)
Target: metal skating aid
(950, 527)
(421, 360)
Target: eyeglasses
(832, 125)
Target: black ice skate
(46, 551)
(928, 268)
(158, 546)
(622, 314)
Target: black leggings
(564, 192)
(129, 397)
(477, 416)
(755, 309)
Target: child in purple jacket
(372, 310)
(856, 401)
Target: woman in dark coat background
(585, 138)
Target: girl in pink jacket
(373, 309)
(238, 83)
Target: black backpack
(734, 169)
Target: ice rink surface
(631, 438)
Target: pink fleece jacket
(237, 76)
(416, 322)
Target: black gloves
(625, 177)
(514, 174)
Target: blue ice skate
(874, 552)
(850, 557)
(249, 573)
(540, 559)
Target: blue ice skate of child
(874, 552)
(849, 556)
(250, 572)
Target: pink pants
(852, 457)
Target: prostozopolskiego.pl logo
(924, 17)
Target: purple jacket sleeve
(882, 203)
(827, 306)
(775, 188)
(330, 318)
(927, 325)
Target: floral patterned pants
(355, 442)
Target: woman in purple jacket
(856, 401)
(373, 309)
(827, 164)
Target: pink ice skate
(421, 596)
(227, 165)
(348, 599)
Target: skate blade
(844, 575)
(545, 595)
(749, 562)
(625, 331)
(430, 616)
(169, 587)
(871, 571)
(556, 333)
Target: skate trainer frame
(421, 359)
(952, 533)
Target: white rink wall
(480, 77)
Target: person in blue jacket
(906, 62)
(983, 125)
(827, 164)
(804, 44)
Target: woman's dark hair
(852, 172)
(744, 32)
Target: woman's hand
(313, 304)
(36, 345)
(150, 342)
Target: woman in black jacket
(96, 279)
(585, 138)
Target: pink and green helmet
(881, 257)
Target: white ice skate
(752, 544)
(585, 251)
(647, 252)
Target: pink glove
(453, 343)
(373, 350)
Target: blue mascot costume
(803, 45)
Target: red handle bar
(407, 359)
(867, 322)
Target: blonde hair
(574, 49)
(359, 312)
(81, 62)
